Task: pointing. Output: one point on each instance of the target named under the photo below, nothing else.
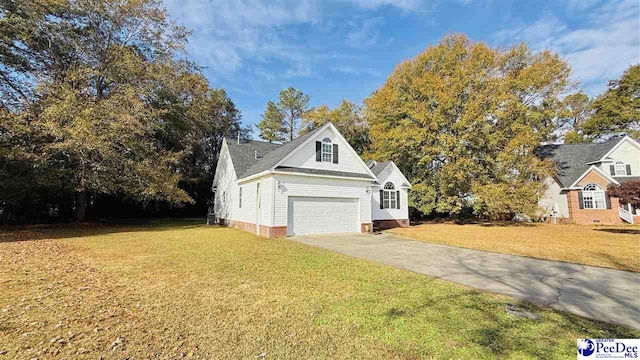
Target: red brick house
(577, 192)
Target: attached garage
(321, 215)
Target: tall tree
(577, 110)
(272, 126)
(462, 120)
(91, 120)
(347, 117)
(34, 40)
(293, 103)
(617, 111)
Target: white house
(314, 184)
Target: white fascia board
(319, 175)
(254, 176)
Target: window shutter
(318, 151)
(628, 169)
(580, 203)
(381, 197)
(607, 200)
(612, 170)
(335, 153)
(398, 199)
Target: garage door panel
(315, 215)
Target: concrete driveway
(597, 293)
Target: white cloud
(355, 71)
(598, 51)
(228, 35)
(402, 4)
(364, 33)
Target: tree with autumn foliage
(462, 121)
(100, 101)
(347, 117)
(628, 192)
(616, 111)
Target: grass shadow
(620, 231)
(15, 233)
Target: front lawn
(614, 247)
(181, 289)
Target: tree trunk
(81, 206)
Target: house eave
(291, 173)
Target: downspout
(273, 202)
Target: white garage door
(317, 215)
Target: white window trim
(326, 155)
(596, 198)
(389, 197)
(616, 168)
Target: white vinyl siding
(390, 174)
(553, 198)
(308, 186)
(305, 157)
(225, 183)
(626, 153)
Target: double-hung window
(620, 168)
(389, 197)
(327, 150)
(593, 197)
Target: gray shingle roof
(378, 167)
(243, 154)
(323, 172)
(572, 159)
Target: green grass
(174, 289)
(611, 246)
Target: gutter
(275, 172)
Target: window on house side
(620, 168)
(327, 150)
(389, 197)
(593, 197)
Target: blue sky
(335, 49)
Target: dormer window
(327, 150)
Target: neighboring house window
(389, 197)
(621, 169)
(240, 198)
(327, 150)
(593, 197)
